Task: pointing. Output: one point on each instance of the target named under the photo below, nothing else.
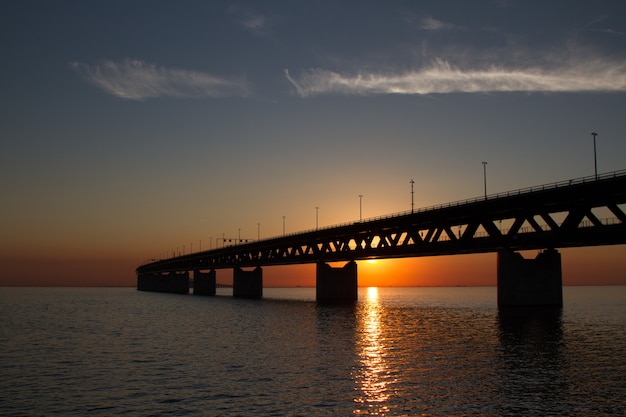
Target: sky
(131, 130)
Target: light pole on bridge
(595, 159)
(316, 217)
(485, 177)
(412, 204)
(361, 207)
(283, 225)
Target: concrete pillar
(336, 284)
(174, 282)
(145, 282)
(530, 282)
(204, 283)
(248, 284)
(149, 282)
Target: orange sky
(581, 266)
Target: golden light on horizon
(372, 293)
(388, 272)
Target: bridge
(579, 212)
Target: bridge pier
(530, 282)
(144, 281)
(172, 282)
(336, 284)
(248, 284)
(204, 283)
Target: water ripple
(432, 352)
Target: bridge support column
(248, 284)
(173, 282)
(144, 282)
(336, 284)
(204, 283)
(176, 282)
(530, 282)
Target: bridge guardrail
(520, 191)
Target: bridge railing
(520, 191)
(504, 194)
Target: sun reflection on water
(372, 376)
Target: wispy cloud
(430, 23)
(254, 23)
(250, 20)
(441, 78)
(137, 80)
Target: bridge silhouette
(573, 213)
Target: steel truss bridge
(579, 212)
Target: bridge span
(579, 212)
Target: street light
(485, 177)
(283, 225)
(258, 231)
(361, 207)
(316, 217)
(412, 204)
(595, 159)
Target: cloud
(250, 20)
(137, 80)
(430, 23)
(255, 23)
(442, 78)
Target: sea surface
(396, 352)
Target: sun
(372, 261)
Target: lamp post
(283, 225)
(361, 207)
(258, 231)
(485, 177)
(595, 159)
(412, 204)
(316, 217)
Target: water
(398, 351)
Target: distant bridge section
(580, 212)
